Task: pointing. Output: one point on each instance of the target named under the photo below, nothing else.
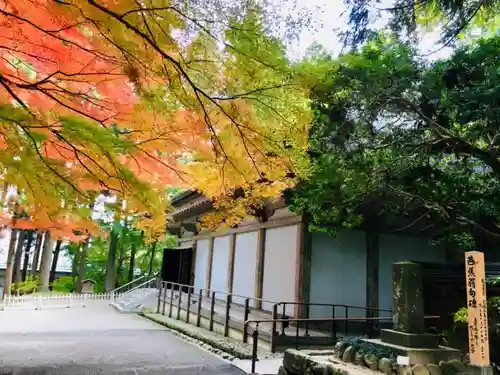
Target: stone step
(136, 300)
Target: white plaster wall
(200, 265)
(245, 263)
(338, 273)
(220, 264)
(280, 266)
(394, 249)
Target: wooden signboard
(477, 309)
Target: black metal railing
(174, 297)
(219, 307)
(345, 311)
(169, 292)
(306, 322)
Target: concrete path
(97, 340)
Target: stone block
(409, 340)
(457, 365)
(385, 365)
(422, 356)
(340, 347)
(420, 370)
(322, 368)
(295, 362)
(446, 368)
(359, 359)
(434, 369)
(348, 355)
(371, 361)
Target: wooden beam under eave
(230, 268)
(259, 272)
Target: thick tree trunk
(153, 253)
(74, 265)
(131, 264)
(45, 263)
(16, 277)
(55, 258)
(110, 281)
(82, 265)
(27, 250)
(36, 253)
(10, 263)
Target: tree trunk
(27, 254)
(74, 265)
(55, 258)
(45, 262)
(16, 277)
(131, 268)
(153, 251)
(36, 254)
(119, 271)
(132, 264)
(110, 281)
(84, 252)
(10, 259)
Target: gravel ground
(97, 340)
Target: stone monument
(408, 309)
(408, 337)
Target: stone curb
(297, 362)
(221, 347)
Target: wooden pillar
(193, 263)
(303, 269)
(210, 257)
(372, 273)
(259, 272)
(230, 268)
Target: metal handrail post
(159, 301)
(164, 299)
(171, 300)
(226, 317)
(188, 305)
(198, 317)
(212, 307)
(179, 304)
(255, 336)
(247, 312)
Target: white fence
(52, 301)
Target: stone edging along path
(226, 347)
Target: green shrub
(28, 286)
(63, 284)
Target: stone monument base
(479, 370)
(411, 340)
(421, 356)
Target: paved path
(97, 340)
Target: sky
(328, 19)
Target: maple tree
(131, 96)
